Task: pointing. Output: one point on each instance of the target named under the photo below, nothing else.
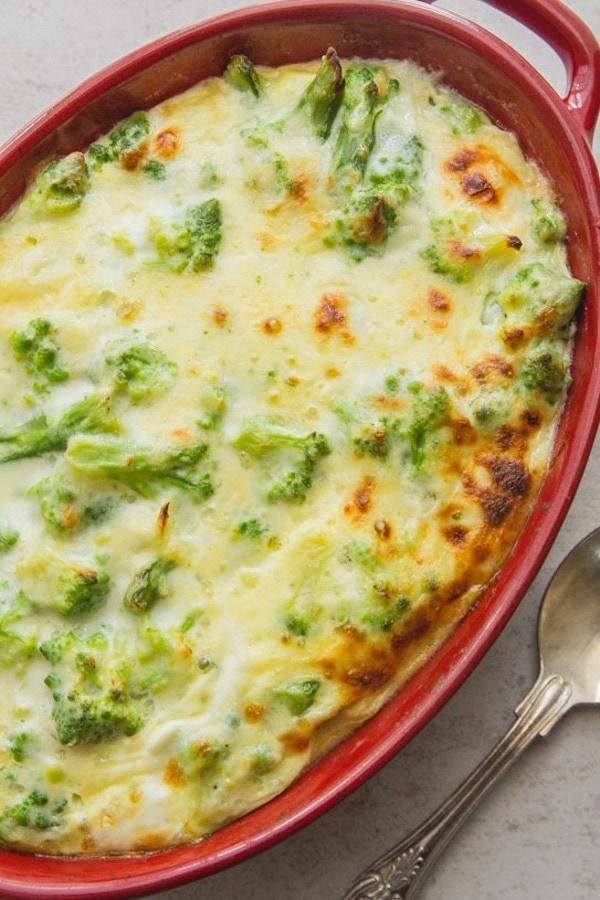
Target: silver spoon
(569, 646)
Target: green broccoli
(387, 607)
(364, 225)
(192, 244)
(126, 137)
(66, 586)
(16, 648)
(545, 372)
(89, 682)
(376, 438)
(37, 436)
(321, 99)
(9, 536)
(36, 810)
(61, 185)
(143, 469)
(18, 745)
(460, 248)
(464, 116)
(148, 586)
(356, 136)
(298, 695)
(430, 410)
(251, 528)
(36, 347)
(540, 298)
(67, 505)
(140, 369)
(279, 177)
(261, 438)
(241, 74)
(202, 756)
(548, 225)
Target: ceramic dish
(555, 132)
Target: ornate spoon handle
(400, 872)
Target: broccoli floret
(298, 695)
(241, 73)
(429, 411)
(192, 244)
(148, 586)
(364, 225)
(262, 438)
(375, 439)
(545, 372)
(459, 248)
(16, 649)
(140, 369)
(356, 136)
(464, 117)
(89, 682)
(37, 436)
(279, 178)
(251, 528)
(321, 99)
(540, 299)
(202, 756)
(9, 536)
(155, 169)
(126, 137)
(36, 347)
(387, 607)
(68, 587)
(67, 506)
(143, 469)
(18, 743)
(548, 225)
(36, 810)
(61, 186)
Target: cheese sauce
(281, 370)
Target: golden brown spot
(462, 160)
(461, 250)
(362, 497)
(332, 372)
(490, 366)
(220, 316)
(132, 159)
(513, 337)
(266, 240)
(166, 143)
(439, 301)
(331, 316)
(531, 419)
(474, 185)
(254, 712)
(298, 740)
(514, 242)
(383, 529)
(463, 432)
(417, 628)
(506, 437)
(510, 475)
(163, 517)
(271, 325)
(368, 677)
(456, 534)
(174, 775)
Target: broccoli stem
(36, 436)
(321, 99)
(241, 73)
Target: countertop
(536, 836)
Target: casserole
(562, 498)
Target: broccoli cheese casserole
(282, 360)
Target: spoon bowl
(569, 648)
(569, 622)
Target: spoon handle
(400, 872)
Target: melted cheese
(276, 625)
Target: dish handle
(574, 43)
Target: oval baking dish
(553, 131)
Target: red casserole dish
(555, 132)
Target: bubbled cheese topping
(279, 383)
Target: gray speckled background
(537, 836)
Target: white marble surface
(536, 837)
